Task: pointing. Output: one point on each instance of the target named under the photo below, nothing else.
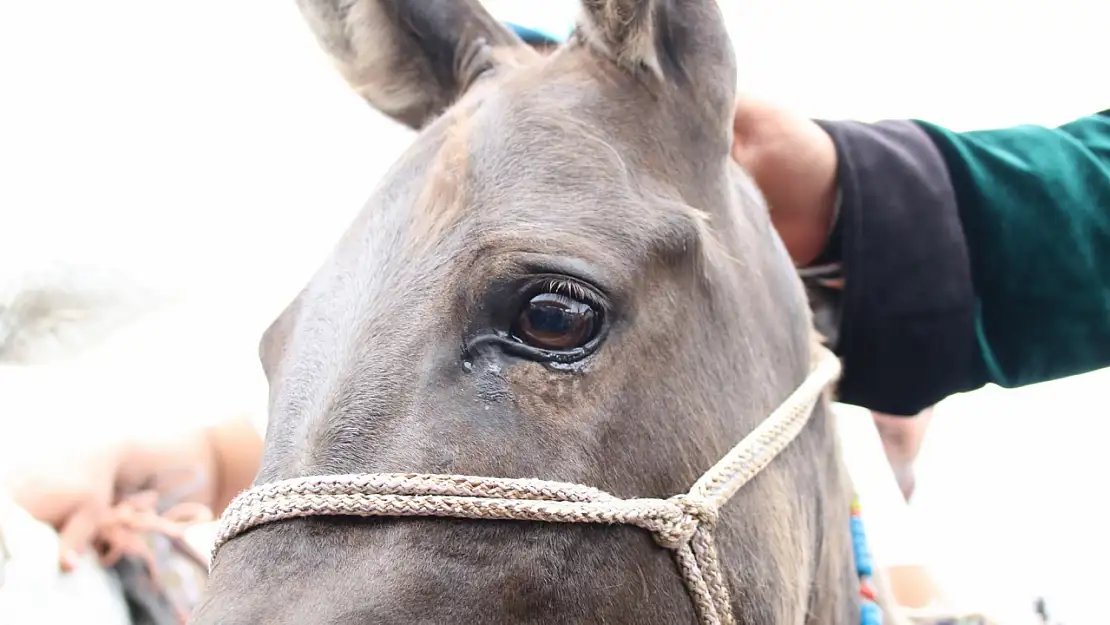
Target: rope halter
(683, 524)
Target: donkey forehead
(555, 161)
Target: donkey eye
(556, 322)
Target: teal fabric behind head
(532, 36)
(538, 21)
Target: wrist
(133, 465)
(830, 236)
(237, 455)
(176, 463)
(810, 238)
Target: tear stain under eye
(493, 386)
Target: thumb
(76, 535)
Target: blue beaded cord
(869, 611)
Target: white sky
(208, 147)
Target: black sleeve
(907, 319)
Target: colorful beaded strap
(869, 611)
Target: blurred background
(185, 167)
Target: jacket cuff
(907, 332)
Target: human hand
(902, 437)
(103, 496)
(72, 491)
(794, 163)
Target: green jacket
(969, 258)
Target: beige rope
(684, 523)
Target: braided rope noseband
(683, 523)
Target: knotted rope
(683, 523)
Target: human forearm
(970, 258)
(954, 260)
(1034, 203)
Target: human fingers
(76, 534)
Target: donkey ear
(674, 40)
(411, 59)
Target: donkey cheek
(541, 393)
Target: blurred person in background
(121, 431)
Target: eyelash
(569, 288)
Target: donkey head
(566, 278)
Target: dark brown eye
(555, 322)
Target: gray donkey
(565, 277)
